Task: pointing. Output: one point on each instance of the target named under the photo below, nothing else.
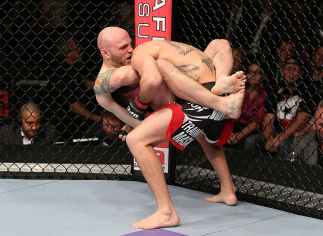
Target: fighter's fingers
(123, 135)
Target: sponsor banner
(153, 20)
(162, 151)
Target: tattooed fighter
(192, 62)
(114, 44)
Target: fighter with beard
(115, 47)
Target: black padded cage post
(38, 36)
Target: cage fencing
(49, 60)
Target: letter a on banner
(153, 20)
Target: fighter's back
(188, 59)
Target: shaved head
(29, 109)
(30, 119)
(115, 46)
(109, 36)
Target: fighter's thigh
(208, 148)
(152, 130)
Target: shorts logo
(186, 134)
(197, 107)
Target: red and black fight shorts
(190, 119)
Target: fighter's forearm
(151, 80)
(107, 102)
(149, 88)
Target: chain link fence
(49, 61)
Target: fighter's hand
(137, 109)
(124, 132)
(123, 135)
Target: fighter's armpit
(102, 83)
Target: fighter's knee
(131, 140)
(221, 44)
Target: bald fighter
(117, 52)
(115, 47)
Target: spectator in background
(298, 22)
(316, 75)
(107, 130)
(74, 108)
(238, 59)
(247, 127)
(315, 83)
(285, 49)
(289, 107)
(308, 148)
(28, 129)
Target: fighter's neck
(106, 66)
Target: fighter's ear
(105, 54)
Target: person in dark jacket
(28, 129)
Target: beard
(117, 60)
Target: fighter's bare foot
(228, 197)
(229, 84)
(158, 220)
(232, 104)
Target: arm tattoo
(209, 63)
(102, 83)
(190, 71)
(186, 49)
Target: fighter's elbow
(153, 81)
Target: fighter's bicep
(104, 83)
(105, 100)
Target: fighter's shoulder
(103, 83)
(150, 45)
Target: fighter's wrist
(140, 104)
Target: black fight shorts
(190, 119)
